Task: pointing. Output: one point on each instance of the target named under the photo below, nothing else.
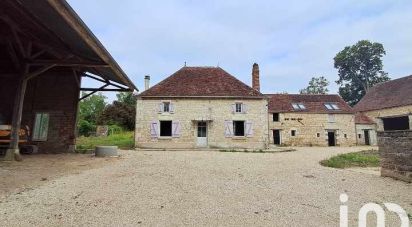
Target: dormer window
(298, 106)
(331, 106)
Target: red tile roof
(313, 103)
(201, 82)
(361, 118)
(389, 94)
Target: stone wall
(215, 111)
(395, 148)
(312, 129)
(376, 115)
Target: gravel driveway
(161, 188)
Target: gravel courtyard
(207, 188)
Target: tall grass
(124, 140)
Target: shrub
(86, 128)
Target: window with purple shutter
(176, 129)
(154, 129)
(244, 108)
(171, 108)
(228, 128)
(160, 108)
(249, 129)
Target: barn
(45, 51)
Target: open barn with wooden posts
(45, 51)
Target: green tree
(91, 107)
(359, 68)
(121, 112)
(317, 85)
(127, 98)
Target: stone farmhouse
(202, 107)
(386, 107)
(310, 120)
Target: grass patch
(355, 159)
(124, 140)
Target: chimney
(255, 77)
(146, 82)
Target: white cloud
(292, 41)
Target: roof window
(298, 106)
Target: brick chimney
(255, 77)
(146, 82)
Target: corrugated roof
(201, 82)
(313, 103)
(389, 94)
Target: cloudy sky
(291, 40)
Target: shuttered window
(176, 129)
(239, 128)
(154, 129)
(165, 128)
(239, 107)
(228, 128)
(166, 107)
(41, 127)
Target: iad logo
(372, 207)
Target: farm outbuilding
(45, 51)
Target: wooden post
(13, 152)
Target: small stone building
(310, 120)
(365, 130)
(389, 105)
(199, 107)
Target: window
(396, 123)
(166, 107)
(298, 106)
(293, 133)
(238, 107)
(331, 106)
(41, 127)
(318, 134)
(331, 118)
(201, 129)
(239, 128)
(345, 135)
(276, 117)
(165, 128)
(359, 136)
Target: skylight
(331, 106)
(298, 106)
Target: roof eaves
(73, 19)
